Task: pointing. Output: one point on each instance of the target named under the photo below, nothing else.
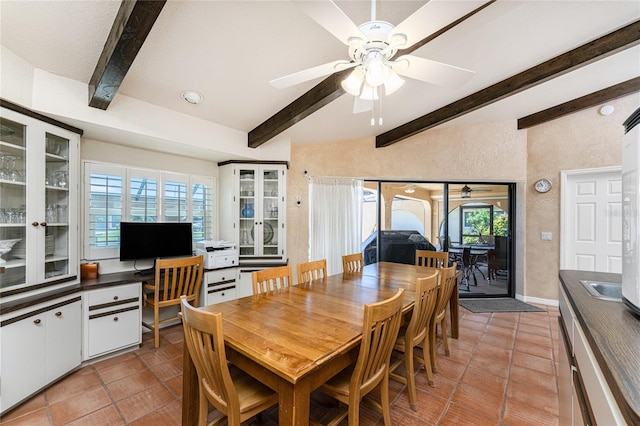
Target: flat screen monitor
(152, 240)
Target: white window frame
(126, 173)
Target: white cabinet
(584, 395)
(112, 318)
(38, 346)
(253, 210)
(218, 286)
(39, 168)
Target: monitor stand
(148, 271)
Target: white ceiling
(229, 50)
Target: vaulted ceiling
(533, 60)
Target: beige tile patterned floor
(502, 371)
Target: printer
(217, 254)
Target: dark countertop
(613, 332)
(103, 281)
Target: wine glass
(14, 173)
(4, 172)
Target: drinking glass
(14, 173)
(61, 179)
(4, 172)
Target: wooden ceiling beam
(583, 102)
(130, 28)
(325, 92)
(588, 53)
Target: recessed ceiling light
(192, 97)
(606, 109)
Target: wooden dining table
(293, 340)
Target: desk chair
(173, 278)
(271, 279)
(313, 270)
(352, 262)
(231, 391)
(380, 331)
(448, 284)
(432, 259)
(416, 333)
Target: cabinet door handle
(35, 224)
(222, 294)
(37, 321)
(58, 314)
(115, 297)
(43, 223)
(115, 318)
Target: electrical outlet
(546, 236)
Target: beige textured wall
(492, 152)
(582, 140)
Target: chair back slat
(179, 276)
(432, 259)
(352, 263)
(380, 331)
(448, 283)
(423, 308)
(204, 338)
(271, 279)
(314, 270)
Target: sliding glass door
(472, 222)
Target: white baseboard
(538, 300)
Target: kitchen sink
(604, 290)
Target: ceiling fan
(372, 47)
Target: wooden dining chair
(173, 278)
(432, 259)
(271, 279)
(235, 394)
(416, 332)
(314, 270)
(448, 284)
(352, 262)
(379, 332)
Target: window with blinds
(116, 193)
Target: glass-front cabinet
(255, 218)
(38, 202)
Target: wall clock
(543, 185)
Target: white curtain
(335, 219)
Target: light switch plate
(546, 236)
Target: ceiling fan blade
(361, 105)
(311, 73)
(432, 17)
(331, 18)
(431, 71)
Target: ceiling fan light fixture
(377, 71)
(393, 83)
(465, 192)
(353, 84)
(369, 93)
(410, 189)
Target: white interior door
(592, 220)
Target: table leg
(453, 311)
(189, 390)
(293, 405)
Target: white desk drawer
(221, 293)
(117, 294)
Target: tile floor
(502, 371)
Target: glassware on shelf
(14, 173)
(61, 213)
(4, 171)
(60, 179)
(50, 214)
